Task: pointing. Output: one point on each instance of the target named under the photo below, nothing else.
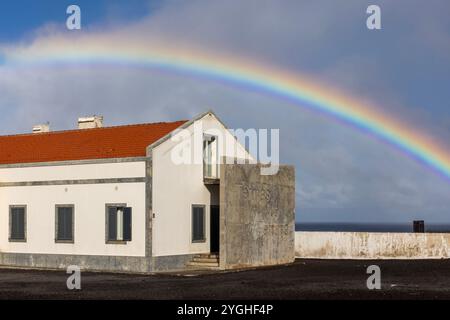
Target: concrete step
(207, 255)
(205, 260)
(201, 265)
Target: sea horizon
(369, 227)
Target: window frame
(214, 160)
(204, 223)
(24, 207)
(57, 206)
(107, 206)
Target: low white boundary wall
(371, 245)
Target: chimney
(39, 128)
(90, 122)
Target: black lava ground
(304, 279)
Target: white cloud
(341, 174)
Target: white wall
(89, 201)
(175, 188)
(73, 172)
(367, 245)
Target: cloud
(341, 174)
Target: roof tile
(99, 143)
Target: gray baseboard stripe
(127, 264)
(171, 263)
(85, 262)
(70, 182)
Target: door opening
(214, 229)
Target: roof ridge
(89, 129)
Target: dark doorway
(215, 229)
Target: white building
(113, 198)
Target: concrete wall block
(257, 216)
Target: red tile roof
(99, 143)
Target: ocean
(368, 227)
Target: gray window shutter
(21, 223)
(201, 227)
(127, 224)
(65, 221)
(18, 223)
(14, 224)
(112, 223)
(60, 224)
(69, 223)
(198, 224)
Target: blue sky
(342, 175)
(20, 17)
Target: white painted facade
(74, 172)
(175, 188)
(89, 202)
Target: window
(198, 223)
(64, 223)
(210, 155)
(17, 223)
(118, 223)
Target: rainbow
(241, 73)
